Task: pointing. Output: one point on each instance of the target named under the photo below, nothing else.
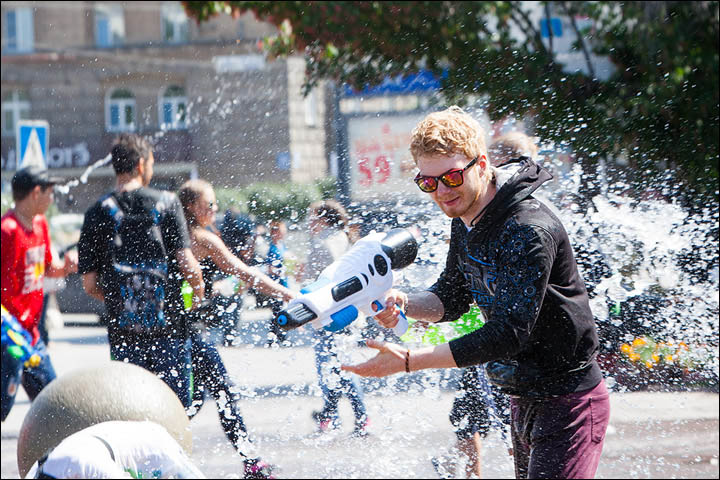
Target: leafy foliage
(659, 109)
(327, 187)
(270, 201)
(273, 201)
(6, 203)
(231, 198)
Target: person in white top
(117, 449)
(328, 242)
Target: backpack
(135, 284)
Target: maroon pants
(560, 437)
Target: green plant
(231, 198)
(6, 203)
(328, 187)
(272, 201)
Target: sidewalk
(651, 434)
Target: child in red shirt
(26, 260)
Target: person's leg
(471, 417)
(131, 349)
(351, 388)
(328, 380)
(171, 360)
(42, 323)
(36, 378)
(518, 428)
(211, 372)
(354, 391)
(500, 412)
(199, 375)
(568, 434)
(11, 373)
(470, 447)
(208, 365)
(321, 358)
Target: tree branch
(580, 39)
(549, 26)
(528, 26)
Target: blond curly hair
(448, 132)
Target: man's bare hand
(389, 360)
(395, 303)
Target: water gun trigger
(401, 326)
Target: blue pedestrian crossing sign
(32, 143)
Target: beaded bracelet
(407, 361)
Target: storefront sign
(77, 156)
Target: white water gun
(353, 283)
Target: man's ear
(483, 161)
(141, 166)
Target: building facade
(215, 108)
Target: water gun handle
(401, 327)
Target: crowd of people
(153, 257)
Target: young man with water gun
(26, 261)
(477, 405)
(510, 256)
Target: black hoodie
(518, 266)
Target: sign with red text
(381, 167)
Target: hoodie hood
(516, 181)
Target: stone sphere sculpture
(87, 396)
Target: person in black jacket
(511, 256)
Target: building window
(19, 30)
(173, 109)
(120, 111)
(310, 104)
(109, 25)
(15, 107)
(174, 23)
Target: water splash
(65, 188)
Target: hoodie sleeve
(524, 261)
(451, 286)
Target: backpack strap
(111, 204)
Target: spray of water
(65, 188)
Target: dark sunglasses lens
(426, 184)
(453, 179)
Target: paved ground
(652, 435)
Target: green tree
(660, 109)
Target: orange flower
(626, 349)
(638, 342)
